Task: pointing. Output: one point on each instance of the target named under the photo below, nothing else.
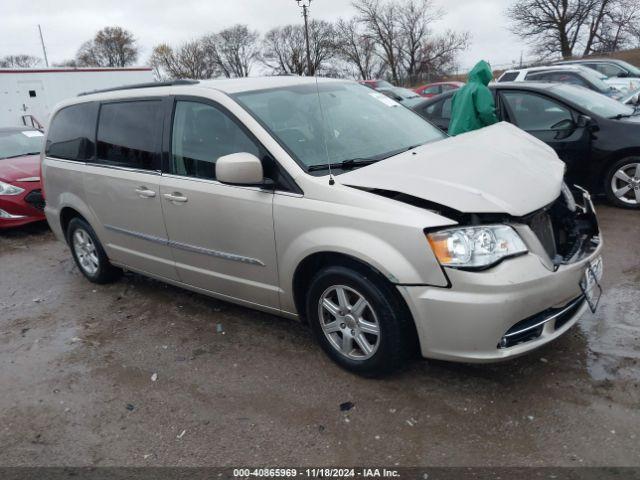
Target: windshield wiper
(625, 115)
(21, 155)
(344, 165)
(361, 162)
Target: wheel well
(66, 215)
(617, 156)
(312, 264)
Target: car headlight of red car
(8, 189)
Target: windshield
(596, 79)
(355, 123)
(384, 84)
(405, 92)
(633, 70)
(19, 143)
(631, 96)
(593, 101)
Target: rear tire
(359, 321)
(622, 183)
(88, 253)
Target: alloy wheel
(349, 322)
(86, 252)
(625, 184)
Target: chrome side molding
(187, 247)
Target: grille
(532, 327)
(35, 199)
(541, 225)
(567, 235)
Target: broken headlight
(475, 247)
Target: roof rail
(170, 83)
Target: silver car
(324, 201)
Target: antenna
(324, 139)
(44, 50)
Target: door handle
(144, 192)
(176, 197)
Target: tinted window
(534, 113)
(72, 131)
(129, 134)
(446, 87)
(431, 111)
(571, 78)
(607, 69)
(508, 77)
(201, 134)
(446, 108)
(539, 76)
(433, 90)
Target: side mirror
(584, 121)
(240, 169)
(635, 100)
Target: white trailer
(28, 95)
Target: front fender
(375, 251)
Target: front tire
(88, 253)
(622, 183)
(359, 321)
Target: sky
(66, 24)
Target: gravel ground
(238, 387)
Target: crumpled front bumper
(469, 321)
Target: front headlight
(475, 247)
(8, 189)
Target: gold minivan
(326, 201)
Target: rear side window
(71, 133)
(508, 77)
(129, 134)
(432, 90)
(538, 76)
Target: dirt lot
(237, 387)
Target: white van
(325, 201)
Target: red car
(21, 199)
(433, 89)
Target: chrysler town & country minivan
(325, 201)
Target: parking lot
(142, 373)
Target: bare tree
(19, 61)
(402, 32)
(283, 48)
(189, 60)
(381, 26)
(553, 26)
(235, 50)
(616, 30)
(563, 26)
(70, 63)
(438, 55)
(111, 47)
(414, 21)
(358, 49)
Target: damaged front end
(568, 228)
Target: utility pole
(44, 50)
(304, 4)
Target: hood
(497, 169)
(626, 84)
(481, 73)
(20, 168)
